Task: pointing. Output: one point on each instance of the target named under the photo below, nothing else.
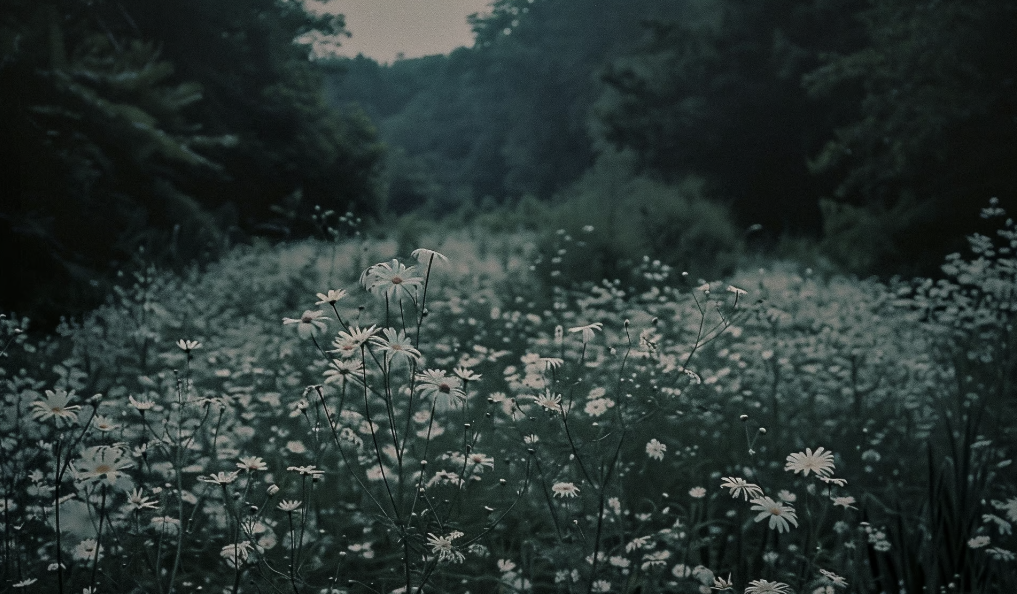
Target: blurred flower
(235, 554)
(844, 502)
(655, 449)
(767, 587)
(98, 461)
(188, 345)
(478, 461)
(137, 502)
(289, 505)
(820, 462)
(565, 490)
(220, 478)
(251, 463)
(434, 382)
(426, 256)
(788, 496)
(587, 330)
(740, 486)
(979, 542)
(56, 406)
(697, 492)
(835, 579)
(778, 513)
(331, 296)
(720, 583)
(548, 401)
(306, 470)
(310, 323)
(396, 344)
(598, 406)
(466, 374)
(504, 565)
(343, 370)
(104, 424)
(24, 583)
(87, 549)
(141, 405)
(736, 290)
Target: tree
(934, 125)
(717, 94)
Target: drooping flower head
(310, 323)
(778, 513)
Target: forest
(629, 296)
(777, 125)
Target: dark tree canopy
(165, 125)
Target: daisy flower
(56, 406)
(778, 513)
(720, 583)
(548, 401)
(587, 330)
(235, 554)
(844, 502)
(330, 297)
(251, 463)
(396, 344)
(655, 449)
(835, 579)
(306, 470)
(289, 505)
(565, 490)
(309, 324)
(434, 382)
(392, 279)
(220, 478)
(478, 461)
(697, 492)
(426, 256)
(442, 547)
(820, 462)
(137, 502)
(767, 587)
(343, 370)
(97, 462)
(188, 345)
(740, 486)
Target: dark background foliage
(870, 130)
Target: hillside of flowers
(346, 418)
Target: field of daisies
(344, 418)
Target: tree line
(885, 123)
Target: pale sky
(382, 29)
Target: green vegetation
(773, 432)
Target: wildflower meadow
(341, 417)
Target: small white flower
(820, 462)
(655, 449)
(309, 324)
(740, 486)
(778, 513)
(587, 330)
(565, 490)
